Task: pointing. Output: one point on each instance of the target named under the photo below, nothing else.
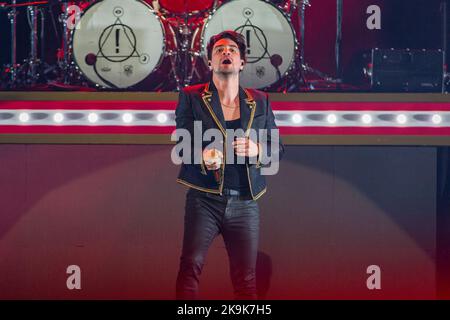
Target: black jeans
(237, 219)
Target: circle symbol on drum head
(118, 12)
(255, 37)
(248, 13)
(144, 58)
(111, 46)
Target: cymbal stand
(32, 15)
(298, 77)
(12, 16)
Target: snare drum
(270, 37)
(119, 43)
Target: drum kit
(161, 45)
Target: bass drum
(270, 37)
(118, 43)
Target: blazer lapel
(211, 99)
(247, 109)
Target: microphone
(217, 175)
(217, 171)
(213, 157)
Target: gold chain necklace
(229, 106)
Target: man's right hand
(212, 158)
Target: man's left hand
(245, 147)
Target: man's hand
(212, 158)
(245, 147)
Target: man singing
(228, 176)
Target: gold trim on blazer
(206, 96)
(190, 185)
(252, 105)
(260, 194)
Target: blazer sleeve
(184, 119)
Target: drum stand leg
(186, 60)
(9, 72)
(65, 48)
(185, 56)
(194, 58)
(174, 63)
(13, 20)
(67, 74)
(65, 64)
(33, 70)
(27, 73)
(33, 14)
(301, 68)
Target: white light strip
(361, 118)
(295, 118)
(87, 117)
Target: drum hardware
(298, 78)
(184, 32)
(12, 16)
(10, 70)
(35, 70)
(32, 16)
(32, 70)
(65, 63)
(187, 57)
(338, 48)
(184, 61)
(68, 74)
(289, 6)
(444, 11)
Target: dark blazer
(201, 103)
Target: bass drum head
(118, 43)
(269, 35)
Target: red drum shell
(181, 6)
